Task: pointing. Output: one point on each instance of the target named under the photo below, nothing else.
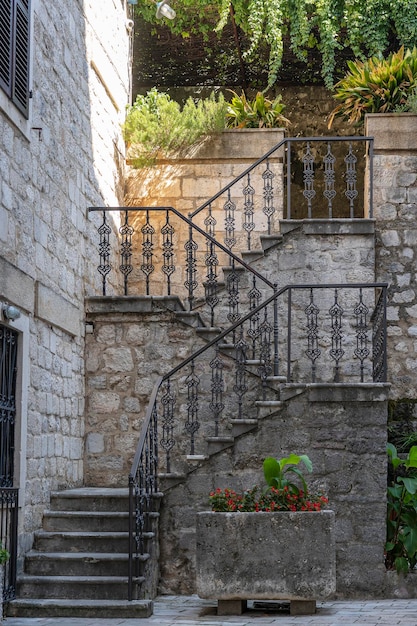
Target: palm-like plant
(376, 86)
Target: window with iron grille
(14, 52)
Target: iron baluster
(233, 280)
(192, 425)
(126, 231)
(308, 177)
(167, 441)
(361, 351)
(268, 194)
(147, 266)
(217, 389)
(249, 208)
(254, 300)
(351, 192)
(276, 335)
(240, 386)
(229, 222)
(265, 367)
(313, 351)
(329, 179)
(212, 261)
(336, 351)
(210, 223)
(104, 251)
(191, 284)
(379, 340)
(168, 266)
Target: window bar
(168, 266)
(329, 179)
(268, 194)
(308, 177)
(351, 192)
(126, 231)
(248, 224)
(147, 266)
(336, 351)
(104, 251)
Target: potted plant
(4, 557)
(272, 543)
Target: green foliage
(157, 126)
(4, 555)
(281, 494)
(257, 113)
(364, 26)
(376, 85)
(401, 544)
(277, 472)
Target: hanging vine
(367, 27)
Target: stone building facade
(61, 152)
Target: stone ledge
(362, 226)
(346, 392)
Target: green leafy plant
(157, 126)
(401, 544)
(281, 493)
(4, 555)
(260, 112)
(376, 85)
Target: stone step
(242, 426)
(73, 541)
(93, 499)
(77, 587)
(77, 563)
(268, 407)
(102, 608)
(92, 521)
(90, 499)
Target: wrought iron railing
(313, 333)
(155, 246)
(8, 539)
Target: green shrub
(401, 544)
(257, 113)
(376, 86)
(157, 126)
(4, 555)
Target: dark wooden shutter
(6, 31)
(14, 51)
(20, 92)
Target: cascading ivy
(367, 27)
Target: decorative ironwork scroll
(217, 389)
(329, 193)
(126, 231)
(229, 222)
(192, 424)
(313, 351)
(268, 194)
(190, 283)
(265, 367)
(104, 251)
(336, 351)
(240, 387)
(168, 266)
(254, 301)
(249, 210)
(308, 177)
(147, 266)
(351, 191)
(361, 351)
(167, 441)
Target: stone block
(53, 308)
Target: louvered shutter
(20, 90)
(14, 51)
(6, 31)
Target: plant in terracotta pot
(268, 543)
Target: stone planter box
(266, 556)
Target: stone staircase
(79, 562)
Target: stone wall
(66, 157)
(395, 211)
(343, 430)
